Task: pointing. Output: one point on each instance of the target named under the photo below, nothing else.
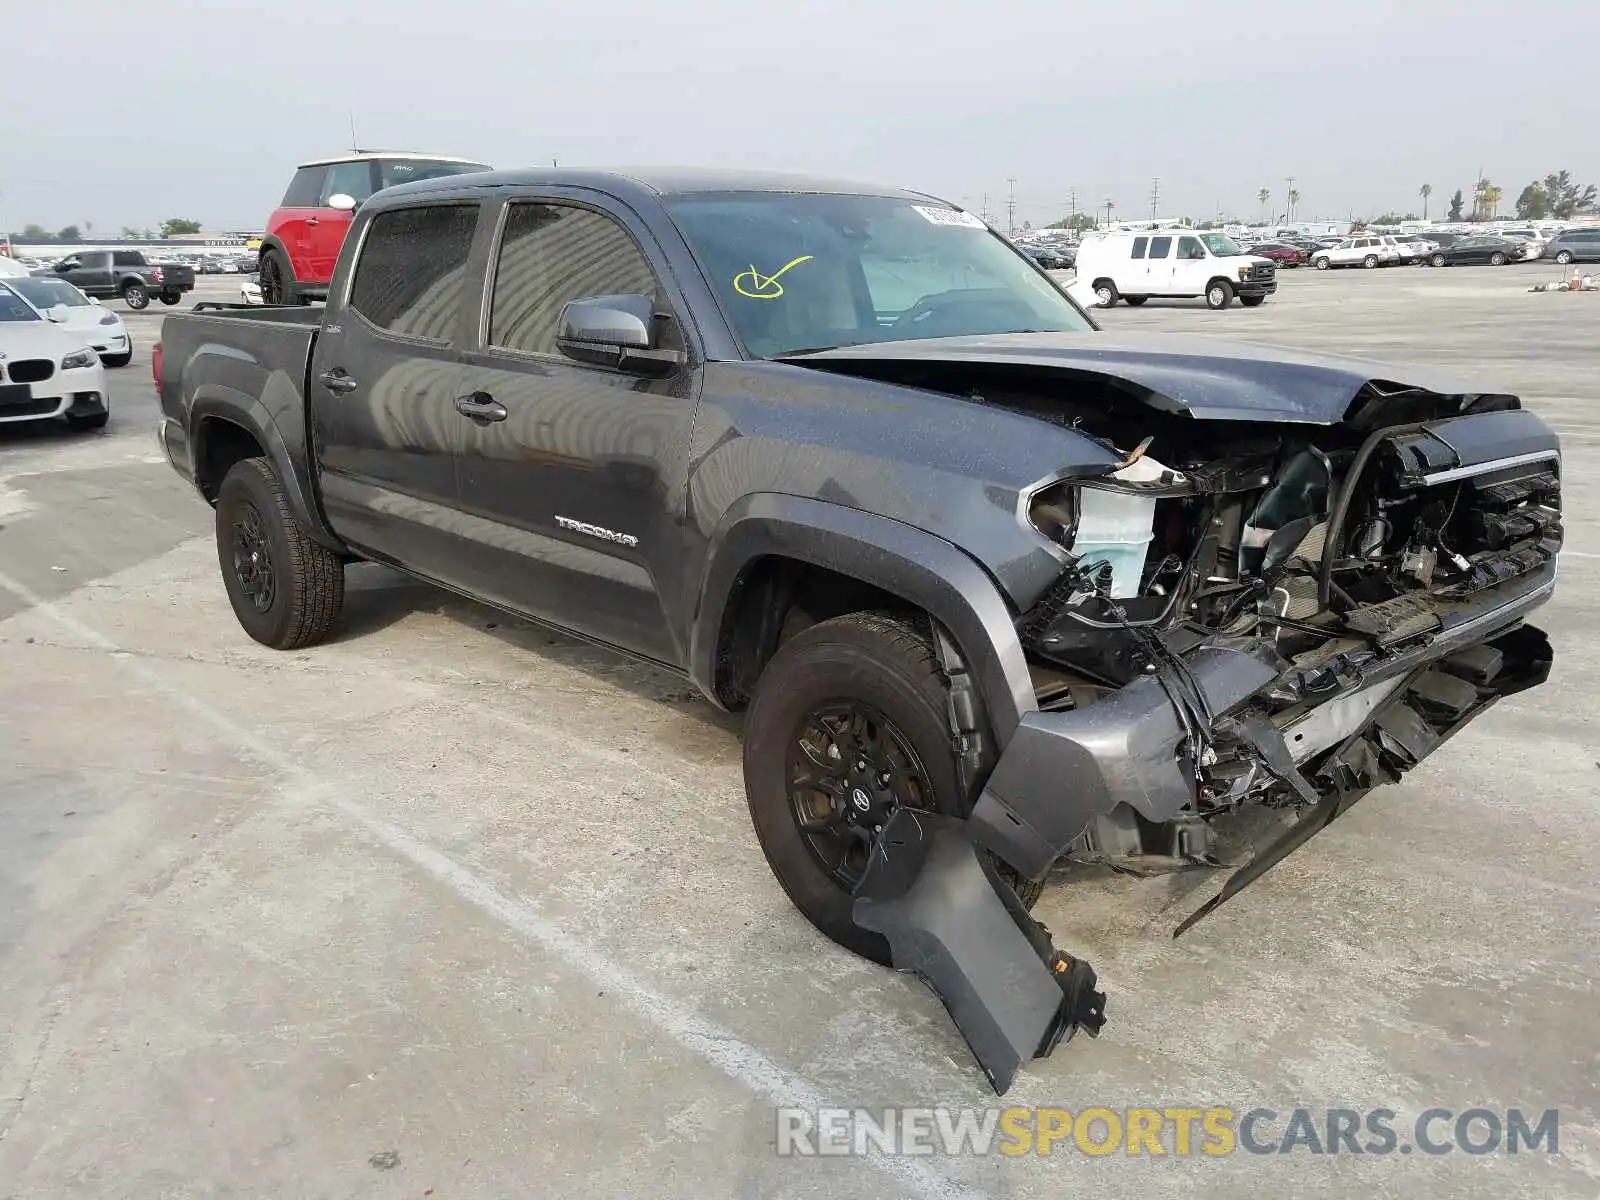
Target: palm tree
(1425, 191)
(1480, 203)
(1264, 195)
(1294, 200)
(1491, 199)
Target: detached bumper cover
(954, 923)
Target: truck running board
(954, 923)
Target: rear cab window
(410, 273)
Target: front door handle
(481, 407)
(337, 382)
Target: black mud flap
(952, 921)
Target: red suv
(305, 232)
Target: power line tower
(984, 214)
(1108, 210)
(1072, 207)
(1155, 197)
(1011, 207)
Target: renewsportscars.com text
(1179, 1132)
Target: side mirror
(343, 201)
(58, 313)
(614, 331)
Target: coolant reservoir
(1116, 527)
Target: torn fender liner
(953, 922)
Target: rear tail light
(155, 366)
(157, 274)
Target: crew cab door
(89, 271)
(572, 474)
(382, 386)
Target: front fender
(916, 566)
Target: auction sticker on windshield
(949, 216)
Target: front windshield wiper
(805, 350)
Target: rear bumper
(1124, 749)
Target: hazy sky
(127, 113)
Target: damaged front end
(1248, 617)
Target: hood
(37, 339)
(85, 319)
(1202, 377)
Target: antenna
(355, 146)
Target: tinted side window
(304, 188)
(1159, 247)
(553, 253)
(1138, 247)
(350, 179)
(127, 258)
(409, 277)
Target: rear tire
(882, 666)
(1437, 260)
(1106, 293)
(286, 590)
(1323, 263)
(1219, 294)
(136, 296)
(1564, 257)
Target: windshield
(14, 308)
(1220, 244)
(807, 272)
(47, 293)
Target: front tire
(1219, 294)
(136, 296)
(1437, 260)
(82, 424)
(866, 687)
(1564, 258)
(1105, 293)
(286, 590)
(1497, 259)
(1135, 301)
(1252, 301)
(171, 297)
(1323, 263)
(113, 361)
(1370, 261)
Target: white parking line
(688, 1029)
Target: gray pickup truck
(998, 591)
(109, 274)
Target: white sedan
(45, 371)
(60, 302)
(250, 289)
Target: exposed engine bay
(1323, 552)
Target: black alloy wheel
(252, 558)
(849, 769)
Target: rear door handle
(481, 407)
(337, 382)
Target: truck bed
(244, 359)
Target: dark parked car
(996, 589)
(1575, 245)
(104, 274)
(1481, 249)
(1285, 254)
